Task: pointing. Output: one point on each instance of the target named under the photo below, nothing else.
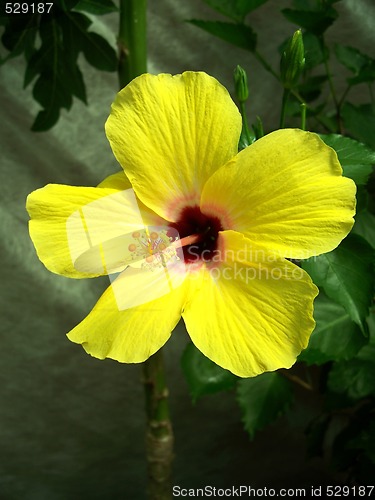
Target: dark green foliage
(365, 226)
(315, 53)
(341, 351)
(202, 375)
(65, 5)
(237, 34)
(96, 7)
(235, 9)
(360, 122)
(344, 431)
(316, 22)
(336, 337)
(347, 276)
(339, 362)
(355, 377)
(311, 88)
(356, 159)
(262, 399)
(314, 17)
(53, 66)
(360, 64)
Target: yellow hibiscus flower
(237, 217)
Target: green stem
(265, 65)
(296, 380)
(132, 40)
(329, 75)
(303, 116)
(260, 129)
(283, 107)
(343, 97)
(245, 125)
(301, 100)
(332, 88)
(159, 436)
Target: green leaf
(50, 93)
(35, 64)
(360, 122)
(315, 434)
(59, 76)
(366, 75)
(63, 34)
(358, 63)
(366, 441)
(45, 119)
(262, 399)
(356, 378)
(235, 9)
(74, 27)
(306, 5)
(20, 34)
(346, 275)
(315, 54)
(96, 7)
(66, 69)
(311, 5)
(203, 375)
(73, 79)
(351, 58)
(314, 21)
(365, 226)
(99, 53)
(65, 5)
(357, 160)
(362, 199)
(367, 353)
(335, 337)
(50, 89)
(311, 88)
(236, 34)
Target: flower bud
(292, 61)
(240, 84)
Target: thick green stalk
(132, 40)
(159, 436)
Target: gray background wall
(71, 427)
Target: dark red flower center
(198, 234)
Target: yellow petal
(170, 133)
(120, 182)
(253, 312)
(129, 335)
(69, 226)
(285, 191)
(117, 181)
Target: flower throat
(198, 234)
